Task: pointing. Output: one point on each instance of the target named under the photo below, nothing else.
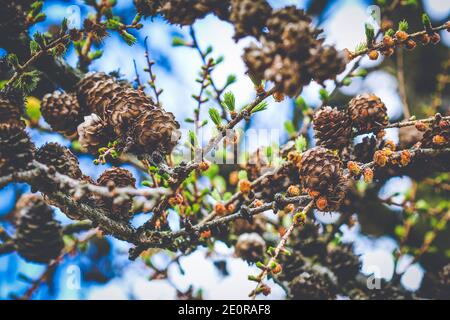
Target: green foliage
(403, 25)
(370, 32)
(178, 42)
(128, 37)
(215, 116)
(260, 107)
(229, 101)
(27, 81)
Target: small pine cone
(343, 262)
(257, 165)
(332, 128)
(283, 17)
(368, 113)
(125, 107)
(156, 130)
(438, 135)
(61, 158)
(11, 112)
(95, 92)
(311, 285)
(249, 17)
(259, 58)
(148, 8)
(325, 63)
(185, 12)
(298, 39)
(288, 75)
(250, 247)
(62, 112)
(321, 174)
(119, 178)
(25, 200)
(94, 133)
(258, 225)
(16, 149)
(38, 236)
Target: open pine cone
(332, 128)
(16, 149)
(11, 111)
(368, 113)
(249, 17)
(61, 158)
(321, 173)
(93, 133)
(38, 237)
(62, 112)
(118, 209)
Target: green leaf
(95, 54)
(230, 80)
(28, 81)
(216, 196)
(113, 24)
(324, 96)
(178, 42)
(147, 183)
(301, 103)
(426, 21)
(370, 32)
(301, 144)
(34, 47)
(12, 60)
(193, 138)
(403, 25)
(242, 175)
(215, 116)
(128, 37)
(260, 107)
(229, 101)
(289, 126)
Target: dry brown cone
(249, 17)
(241, 226)
(61, 158)
(257, 165)
(62, 112)
(325, 63)
(16, 149)
(94, 133)
(11, 111)
(25, 200)
(184, 12)
(297, 40)
(155, 130)
(95, 92)
(332, 128)
(368, 113)
(125, 107)
(438, 135)
(289, 76)
(258, 58)
(38, 236)
(321, 174)
(148, 8)
(250, 247)
(118, 209)
(283, 17)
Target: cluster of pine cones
(111, 110)
(334, 128)
(290, 54)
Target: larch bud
(220, 209)
(373, 55)
(245, 186)
(368, 175)
(354, 168)
(321, 203)
(294, 191)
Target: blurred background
(104, 271)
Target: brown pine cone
(297, 40)
(311, 285)
(156, 130)
(94, 133)
(13, 21)
(61, 158)
(185, 12)
(258, 58)
(16, 149)
(250, 247)
(25, 200)
(62, 112)
(257, 165)
(126, 106)
(38, 237)
(249, 17)
(368, 113)
(11, 111)
(95, 92)
(283, 17)
(148, 8)
(438, 135)
(325, 63)
(289, 76)
(332, 128)
(118, 209)
(321, 174)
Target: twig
(278, 249)
(402, 84)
